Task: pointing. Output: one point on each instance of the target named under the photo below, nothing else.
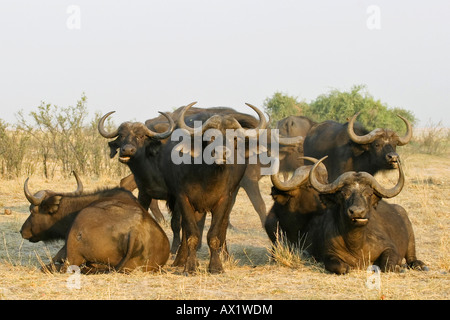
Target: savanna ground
(249, 273)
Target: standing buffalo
(295, 203)
(107, 229)
(197, 188)
(359, 229)
(293, 126)
(350, 147)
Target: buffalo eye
(140, 138)
(346, 193)
(367, 193)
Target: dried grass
(250, 273)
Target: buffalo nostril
(356, 211)
(392, 157)
(128, 150)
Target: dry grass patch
(249, 271)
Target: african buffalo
(358, 228)
(106, 229)
(295, 203)
(350, 147)
(197, 187)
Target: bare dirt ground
(249, 273)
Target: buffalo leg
(181, 257)
(154, 208)
(59, 258)
(389, 260)
(217, 233)
(144, 200)
(336, 265)
(233, 200)
(271, 225)
(251, 187)
(191, 234)
(175, 225)
(61, 255)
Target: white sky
(140, 57)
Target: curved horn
(162, 135)
(313, 160)
(180, 122)
(330, 187)
(262, 118)
(299, 178)
(79, 183)
(101, 128)
(32, 199)
(79, 186)
(389, 193)
(368, 138)
(407, 137)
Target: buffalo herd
(196, 160)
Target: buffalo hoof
(337, 267)
(418, 265)
(179, 262)
(231, 227)
(216, 270)
(52, 268)
(189, 270)
(174, 248)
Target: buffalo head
(297, 194)
(45, 220)
(354, 193)
(132, 138)
(380, 143)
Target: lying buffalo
(358, 228)
(104, 229)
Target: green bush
(340, 106)
(280, 106)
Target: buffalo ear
(328, 200)
(51, 205)
(374, 201)
(113, 148)
(280, 196)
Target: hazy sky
(139, 57)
